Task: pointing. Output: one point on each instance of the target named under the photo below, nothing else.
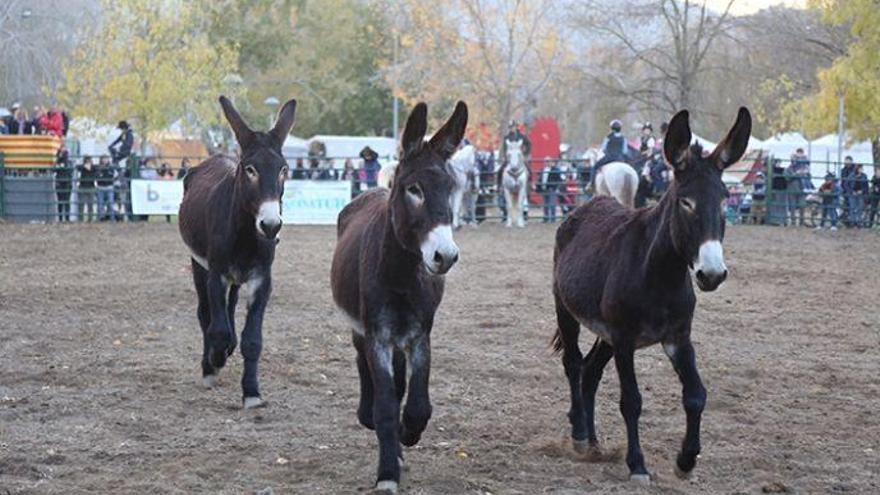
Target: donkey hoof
(386, 487)
(585, 447)
(681, 473)
(209, 381)
(254, 403)
(641, 479)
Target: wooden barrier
(26, 151)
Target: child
(830, 192)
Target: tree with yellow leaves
(855, 76)
(151, 62)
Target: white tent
(351, 146)
(295, 147)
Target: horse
(387, 276)
(463, 168)
(515, 182)
(624, 275)
(616, 179)
(230, 217)
(385, 176)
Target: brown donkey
(229, 219)
(387, 276)
(623, 274)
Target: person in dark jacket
(85, 193)
(184, 168)
(846, 186)
(614, 147)
(105, 178)
(299, 171)
(19, 123)
(830, 193)
(371, 166)
(120, 149)
(515, 134)
(875, 197)
(63, 183)
(549, 187)
(860, 191)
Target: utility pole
(840, 125)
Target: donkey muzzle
(709, 269)
(439, 251)
(268, 219)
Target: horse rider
(614, 148)
(648, 143)
(513, 134)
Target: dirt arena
(100, 349)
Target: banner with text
(314, 202)
(156, 197)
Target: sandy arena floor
(99, 373)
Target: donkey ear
(732, 148)
(677, 140)
(286, 118)
(447, 139)
(243, 133)
(414, 132)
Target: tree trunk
(875, 150)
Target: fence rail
(760, 195)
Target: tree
(151, 62)
(854, 76)
(497, 55)
(657, 51)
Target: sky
(742, 7)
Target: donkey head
(421, 210)
(259, 177)
(697, 195)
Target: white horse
(616, 179)
(386, 174)
(463, 167)
(515, 183)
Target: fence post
(2, 185)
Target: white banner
(156, 197)
(314, 202)
(305, 201)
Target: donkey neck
(398, 266)
(663, 262)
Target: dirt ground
(99, 374)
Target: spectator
(860, 191)
(759, 199)
(86, 191)
(52, 123)
(37, 121)
(148, 171)
(371, 166)
(548, 186)
(7, 119)
(165, 172)
(846, 184)
(647, 141)
(106, 197)
(184, 168)
(299, 170)
(830, 192)
(124, 142)
(778, 201)
(122, 187)
(63, 183)
(351, 174)
(65, 119)
(798, 182)
(875, 197)
(19, 122)
(659, 174)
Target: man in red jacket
(52, 123)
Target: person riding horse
(514, 134)
(614, 147)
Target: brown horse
(229, 219)
(623, 274)
(387, 276)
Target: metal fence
(765, 196)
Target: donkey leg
(572, 360)
(386, 413)
(218, 333)
(365, 407)
(418, 403)
(631, 409)
(200, 279)
(683, 359)
(594, 365)
(230, 306)
(252, 340)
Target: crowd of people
(54, 121)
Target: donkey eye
(251, 171)
(687, 204)
(415, 190)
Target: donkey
(515, 183)
(229, 219)
(623, 274)
(387, 276)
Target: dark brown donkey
(394, 248)
(229, 218)
(623, 274)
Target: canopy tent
(351, 146)
(295, 147)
